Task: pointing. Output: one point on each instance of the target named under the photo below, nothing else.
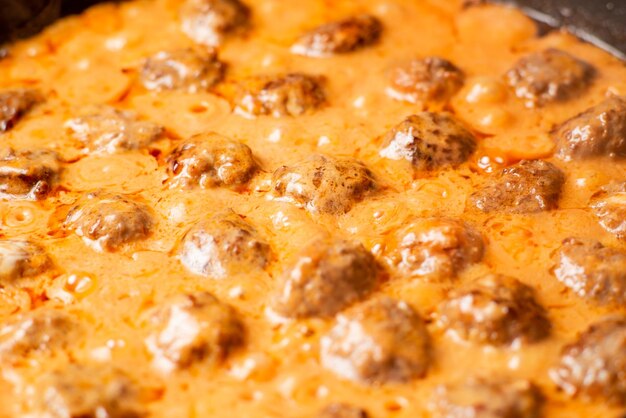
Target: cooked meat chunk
(599, 131)
(208, 22)
(609, 206)
(425, 80)
(326, 278)
(222, 246)
(14, 104)
(108, 130)
(529, 186)
(88, 391)
(342, 410)
(593, 271)
(495, 309)
(190, 70)
(593, 366)
(379, 341)
(549, 76)
(21, 259)
(340, 37)
(107, 221)
(27, 175)
(324, 184)
(436, 248)
(481, 398)
(191, 329)
(429, 141)
(292, 94)
(211, 160)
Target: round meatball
(108, 130)
(22, 259)
(429, 141)
(593, 271)
(377, 342)
(208, 22)
(482, 398)
(529, 186)
(107, 221)
(599, 131)
(425, 80)
(222, 246)
(27, 175)
(211, 160)
(549, 76)
(342, 410)
(436, 248)
(14, 104)
(495, 309)
(326, 278)
(324, 184)
(191, 329)
(592, 367)
(609, 206)
(292, 94)
(340, 37)
(191, 70)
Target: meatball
(609, 206)
(292, 94)
(549, 76)
(495, 309)
(592, 367)
(27, 175)
(22, 259)
(211, 160)
(425, 80)
(326, 278)
(208, 22)
(342, 410)
(108, 130)
(529, 186)
(482, 398)
(190, 70)
(593, 271)
(14, 104)
(340, 37)
(107, 221)
(436, 248)
(224, 245)
(379, 341)
(191, 329)
(429, 141)
(88, 391)
(324, 184)
(599, 131)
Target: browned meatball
(211, 160)
(208, 22)
(482, 398)
(609, 206)
(592, 367)
(107, 221)
(108, 130)
(324, 184)
(340, 37)
(549, 76)
(191, 70)
(224, 245)
(429, 141)
(379, 341)
(342, 410)
(27, 175)
(424, 80)
(193, 328)
(593, 271)
(496, 310)
(14, 104)
(88, 391)
(599, 131)
(326, 278)
(529, 186)
(22, 259)
(291, 94)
